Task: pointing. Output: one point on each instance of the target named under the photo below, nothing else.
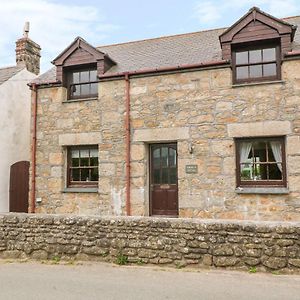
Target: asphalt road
(104, 281)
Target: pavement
(34, 281)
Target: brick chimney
(28, 52)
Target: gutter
(167, 69)
(33, 150)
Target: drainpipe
(33, 149)
(127, 142)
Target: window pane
(93, 75)
(85, 175)
(93, 161)
(75, 77)
(164, 156)
(156, 158)
(94, 174)
(156, 176)
(164, 177)
(75, 153)
(246, 172)
(85, 89)
(255, 71)
(255, 56)
(274, 171)
(269, 70)
(94, 88)
(93, 152)
(75, 175)
(84, 157)
(75, 162)
(172, 157)
(173, 175)
(260, 172)
(84, 76)
(75, 90)
(241, 72)
(269, 54)
(242, 57)
(260, 152)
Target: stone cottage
(15, 124)
(204, 124)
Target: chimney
(28, 52)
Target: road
(36, 281)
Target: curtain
(276, 149)
(245, 148)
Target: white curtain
(245, 149)
(276, 149)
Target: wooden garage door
(19, 187)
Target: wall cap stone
(85, 138)
(161, 134)
(266, 128)
(153, 220)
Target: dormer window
(256, 63)
(82, 83)
(255, 45)
(78, 68)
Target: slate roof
(189, 48)
(8, 72)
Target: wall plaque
(191, 169)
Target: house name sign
(191, 169)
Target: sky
(54, 24)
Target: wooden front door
(163, 180)
(19, 187)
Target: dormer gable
(81, 54)
(256, 26)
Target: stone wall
(177, 242)
(199, 108)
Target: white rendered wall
(14, 128)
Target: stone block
(293, 145)
(220, 261)
(266, 128)
(55, 158)
(274, 263)
(84, 138)
(224, 106)
(222, 147)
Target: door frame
(150, 177)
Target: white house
(15, 106)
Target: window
(82, 83)
(256, 64)
(261, 162)
(83, 166)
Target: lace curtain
(276, 149)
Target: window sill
(262, 190)
(79, 100)
(257, 83)
(80, 190)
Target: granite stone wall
(177, 242)
(200, 108)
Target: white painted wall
(14, 128)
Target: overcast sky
(54, 24)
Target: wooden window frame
(256, 46)
(80, 184)
(260, 183)
(68, 72)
